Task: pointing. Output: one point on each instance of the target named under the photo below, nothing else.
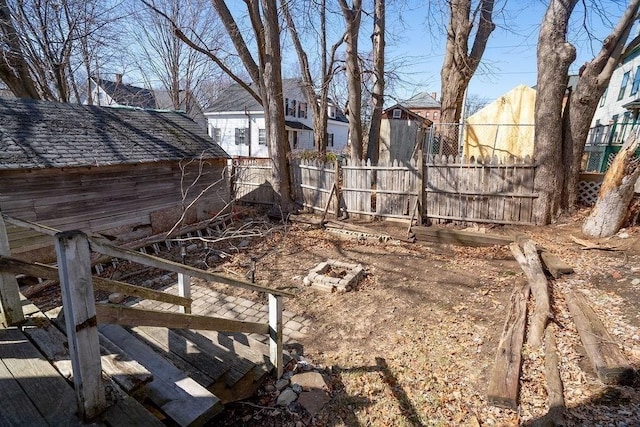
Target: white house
(236, 122)
(116, 94)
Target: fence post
(9, 291)
(337, 187)
(184, 290)
(275, 333)
(74, 263)
(421, 187)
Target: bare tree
(318, 101)
(14, 69)
(353, 17)
(183, 72)
(379, 27)
(561, 131)
(60, 42)
(460, 63)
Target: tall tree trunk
(593, 81)
(616, 193)
(555, 55)
(14, 70)
(459, 64)
(353, 17)
(271, 85)
(373, 145)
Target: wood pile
(609, 364)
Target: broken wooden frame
(73, 249)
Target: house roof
(236, 98)
(292, 124)
(43, 134)
(128, 95)
(414, 116)
(421, 100)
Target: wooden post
(9, 291)
(275, 333)
(336, 184)
(422, 191)
(184, 290)
(74, 263)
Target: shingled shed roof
(42, 134)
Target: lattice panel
(588, 192)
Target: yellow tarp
(504, 127)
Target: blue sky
(510, 57)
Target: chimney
(118, 78)
(434, 95)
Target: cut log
(459, 237)
(530, 264)
(608, 362)
(616, 192)
(554, 265)
(504, 381)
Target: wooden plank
(555, 396)
(608, 362)
(17, 407)
(504, 380)
(48, 391)
(459, 237)
(10, 305)
(126, 411)
(554, 265)
(275, 333)
(184, 290)
(180, 397)
(43, 271)
(127, 373)
(72, 250)
(130, 316)
(153, 261)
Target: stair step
(52, 341)
(202, 366)
(183, 400)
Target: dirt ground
(415, 343)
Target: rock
(297, 388)
(281, 384)
(635, 282)
(192, 248)
(313, 401)
(116, 298)
(310, 381)
(287, 375)
(287, 397)
(306, 281)
(269, 388)
(295, 407)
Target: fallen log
(504, 381)
(459, 237)
(555, 395)
(554, 265)
(530, 264)
(608, 362)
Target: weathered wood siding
(313, 181)
(482, 190)
(125, 201)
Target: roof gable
(42, 134)
(421, 100)
(128, 95)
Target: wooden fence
(482, 190)
(315, 182)
(251, 180)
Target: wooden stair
(188, 375)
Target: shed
(505, 127)
(402, 133)
(125, 173)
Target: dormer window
(332, 111)
(397, 113)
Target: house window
(636, 82)
(302, 110)
(397, 113)
(332, 111)
(623, 85)
(291, 108)
(216, 134)
(426, 115)
(262, 137)
(435, 115)
(604, 97)
(329, 140)
(286, 106)
(241, 136)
